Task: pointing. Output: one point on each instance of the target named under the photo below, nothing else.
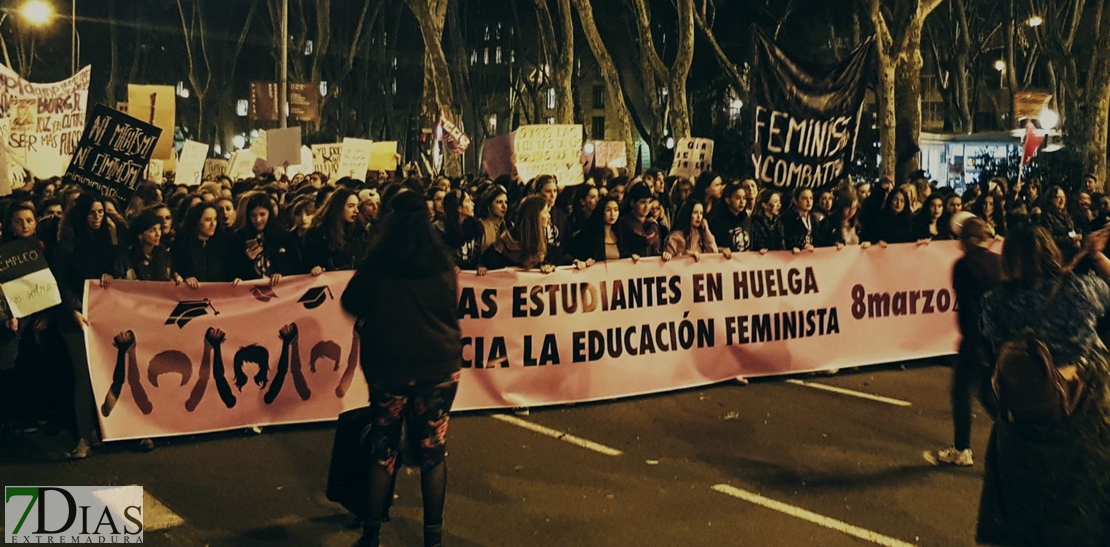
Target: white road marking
(560, 435)
(797, 512)
(860, 394)
(156, 516)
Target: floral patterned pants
(423, 408)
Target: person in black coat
(270, 251)
(557, 233)
(204, 252)
(767, 232)
(800, 224)
(599, 240)
(405, 297)
(896, 219)
(929, 222)
(85, 251)
(731, 226)
(337, 240)
(141, 256)
(976, 272)
(462, 233)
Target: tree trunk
(563, 73)
(1097, 97)
(614, 92)
(680, 70)
(438, 92)
(907, 102)
(887, 121)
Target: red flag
(1032, 143)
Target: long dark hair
(331, 221)
(1029, 254)
(255, 201)
(452, 223)
(596, 223)
(533, 242)
(75, 224)
(683, 217)
(406, 244)
(491, 195)
(190, 225)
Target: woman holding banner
(800, 223)
(494, 207)
(526, 245)
(842, 226)
(599, 240)
(461, 232)
(270, 251)
(767, 232)
(691, 236)
(405, 296)
(86, 249)
(205, 252)
(337, 239)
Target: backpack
(1028, 386)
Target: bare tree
(674, 76)
(438, 91)
(957, 37)
(898, 35)
(559, 54)
(613, 88)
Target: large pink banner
(613, 330)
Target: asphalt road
(774, 463)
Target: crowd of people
(224, 231)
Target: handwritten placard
(692, 156)
(325, 158)
(190, 166)
(113, 154)
(549, 150)
(355, 158)
(43, 121)
(214, 168)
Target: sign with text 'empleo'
(25, 278)
(73, 514)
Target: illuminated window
(551, 98)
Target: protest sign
(25, 278)
(605, 154)
(325, 158)
(529, 339)
(692, 156)
(383, 156)
(497, 156)
(283, 146)
(549, 150)
(354, 159)
(155, 171)
(806, 121)
(454, 139)
(112, 157)
(214, 167)
(304, 167)
(157, 106)
(242, 165)
(190, 166)
(43, 121)
(260, 145)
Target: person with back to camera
(404, 296)
(976, 272)
(1046, 480)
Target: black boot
(370, 532)
(433, 536)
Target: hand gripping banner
(169, 360)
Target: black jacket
(220, 258)
(409, 327)
(975, 273)
(319, 250)
(281, 254)
(767, 234)
(731, 231)
(795, 232)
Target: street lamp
(1034, 21)
(37, 12)
(1049, 119)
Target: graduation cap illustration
(315, 297)
(188, 310)
(263, 293)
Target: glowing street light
(1000, 65)
(37, 12)
(1034, 21)
(1049, 119)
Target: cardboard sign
(283, 146)
(156, 171)
(190, 166)
(114, 152)
(157, 106)
(242, 165)
(354, 160)
(43, 122)
(214, 167)
(325, 158)
(549, 150)
(497, 156)
(25, 278)
(383, 156)
(454, 139)
(306, 165)
(692, 156)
